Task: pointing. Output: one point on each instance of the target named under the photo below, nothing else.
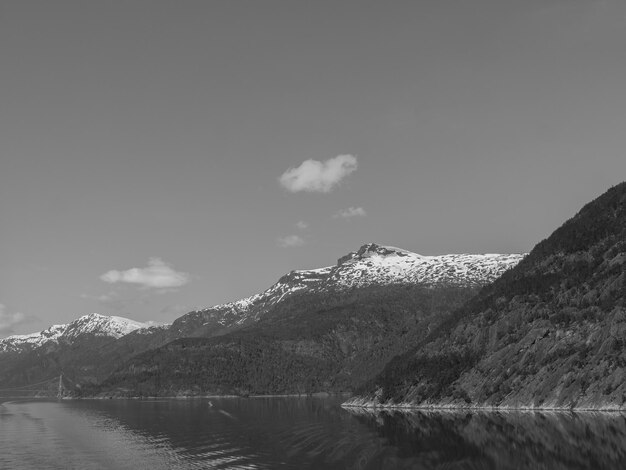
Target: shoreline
(364, 406)
(192, 397)
(409, 407)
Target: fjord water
(265, 433)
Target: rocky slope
(550, 333)
(315, 330)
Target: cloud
(350, 212)
(301, 225)
(290, 241)
(8, 321)
(157, 274)
(315, 176)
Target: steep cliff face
(319, 330)
(550, 333)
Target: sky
(162, 156)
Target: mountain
(324, 329)
(75, 348)
(549, 333)
(92, 324)
(370, 265)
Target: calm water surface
(260, 433)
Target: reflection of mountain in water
(298, 433)
(502, 440)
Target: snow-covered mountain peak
(372, 249)
(101, 325)
(376, 264)
(93, 323)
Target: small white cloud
(316, 176)
(157, 274)
(290, 241)
(8, 320)
(350, 212)
(301, 225)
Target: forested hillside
(308, 344)
(551, 332)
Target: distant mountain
(549, 333)
(93, 324)
(75, 348)
(314, 330)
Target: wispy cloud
(316, 176)
(157, 274)
(350, 212)
(301, 225)
(290, 241)
(10, 320)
